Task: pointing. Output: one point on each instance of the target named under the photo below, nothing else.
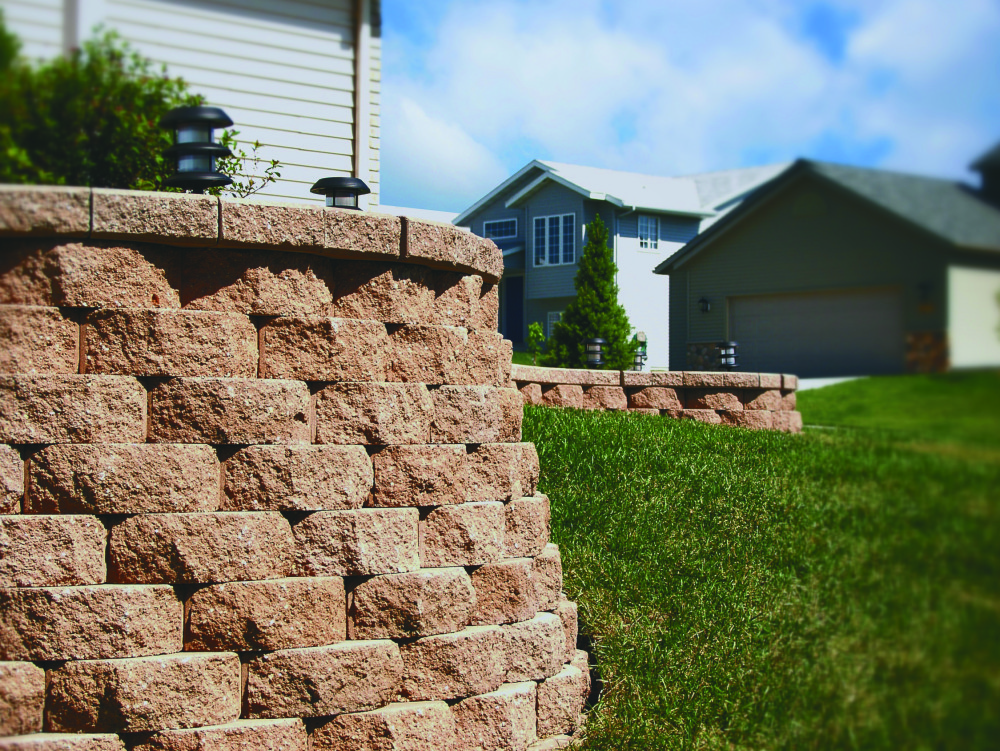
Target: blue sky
(473, 90)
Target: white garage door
(974, 317)
(838, 333)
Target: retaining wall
(262, 485)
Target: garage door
(837, 333)
(974, 317)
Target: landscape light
(194, 148)
(341, 192)
(640, 354)
(727, 355)
(595, 352)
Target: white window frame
(551, 319)
(562, 240)
(500, 221)
(651, 239)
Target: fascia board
(533, 164)
(535, 184)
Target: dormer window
(500, 229)
(649, 232)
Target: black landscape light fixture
(705, 304)
(341, 192)
(595, 352)
(640, 353)
(727, 355)
(195, 149)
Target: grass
(521, 358)
(755, 590)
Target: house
(300, 76)
(538, 215)
(831, 270)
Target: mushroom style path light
(595, 352)
(727, 355)
(195, 148)
(341, 192)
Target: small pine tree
(595, 312)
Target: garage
(820, 334)
(974, 317)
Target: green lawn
(521, 358)
(839, 589)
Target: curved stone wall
(262, 486)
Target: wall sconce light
(727, 355)
(195, 148)
(341, 192)
(705, 304)
(595, 352)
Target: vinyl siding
(39, 25)
(552, 281)
(496, 210)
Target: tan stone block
(324, 349)
(741, 380)
(756, 419)
(408, 726)
(270, 225)
(487, 316)
(788, 401)
(434, 475)
(361, 234)
(297, 478)
(266, 615)
(581, 661)
(654, 397)
(704, 379)
(712, 399)
(488, 357)
(529, 469)
(41, 551)
(144, 693)
(44, 210)
(534, 649)
(758, 399)
(123, 478)
(374, 413)
(11, 480)
(418, 603)
(553, 743)
(560, 702)
(386, 292)
(229, 410)
(239, 735)
(72, 409)
(563, 395)
(671, 379)
(88, 623)
(604, 398)
(63, 742)
(166, 218)
(456, 299)
(565, 376)
(452, 666)
(532, 393)
(23, 278)
(708, 416)
(429, 354)
(476, 414)
(505, 592)
(569, 615)
(787, 422)
(22, 698)
(469, 534)
(38, 340)
(502, 720)
(501, 471)
(357, 543)
(445, 246)
(200, 548)
(526, 525)
(351, 676)
(548, 577)
(770, 380)
(650, 411)
(789, 382)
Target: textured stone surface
(788, 400)
(451, 666)
(170, 343)
(638, 379)
(604, 397)
(552, 743)
(476, 414)
(750, 419)
(85, 623)
(44, 210)
(445, 246)
(167, 218)
(38, 340)
(654, 397)
(469, 534)
(560, 395)
(487, 316)
(240, 735)
(456, 299)
(708, 416)
(429, 354)
(374, 413)
(351, 676)
(418, 603)
(704, 379)
(560, 702)
(22, 698)
(505, 592)
(548, 577)
(72, 409)
(787, 422)
(409, 726)
(526, 525)
(301, 478)
(42, 551)
(362, 234)
(501, 471)
(11, 480)
(770, 380)
(712, 399)
(435, 475)
(324, 349)
(272, 225)
(759, 399)
(229, 410)
(534, 649)
(532, 393)
(355, 543)
(569, 615)
(502, 720)
(789, 382)
(387, 292)
(144, 693)
(63, 742)
(565, 376)
(488, 359)
(266, 615)
(123, 478)
(202, 548)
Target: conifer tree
(595, 312)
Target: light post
(194, 147)
(640, 354)
(341, 192)
(727, 355)
(595, 352)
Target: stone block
(351, 676)
(487, 316)
(453, 666)
(560, 702)
(361, 234)
(407, 726)
(569, 615)
(708, 416)
(604, 398)
(164, 218)
(548, 577)
(789, 382)
(532, 393)
(386, 292)
(552, 743)
(123, 478)
(266, 615)
(445, 246)
(755, 419)
(654, 397)
(762, 399)
(636, 379)
(45, 551)
(476, 414)
(170, 343)
(72, 409)
(200, 548)
(505, 592)
(23, 277)
(787, 422)
(581, 661)
(89, 623)
(526, 525)
(22, 698)
(651, 411)
(565, 376)
(324, 349)
(534, 649)
(144, 693)
(63, 742)
(270, 225)
(418, 603)
(770, 380)
(501, 471)
(44, 210)
(357, 543)
(429, 354)
(488, 358)
(456, 299)
(11, 480)
(239, 735)
(741, 380)
(434, 475)
(704, 379)
(712, 399)
(229, 411)
(297, 478)
(469, 534)
(374, 413)
(788, 401)
(38, 340)
(563, 395)
(502, 720)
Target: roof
(445, 217)
(990, 159)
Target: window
(501, 229)
(553, 318)
(649, 232)
(555, 240)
